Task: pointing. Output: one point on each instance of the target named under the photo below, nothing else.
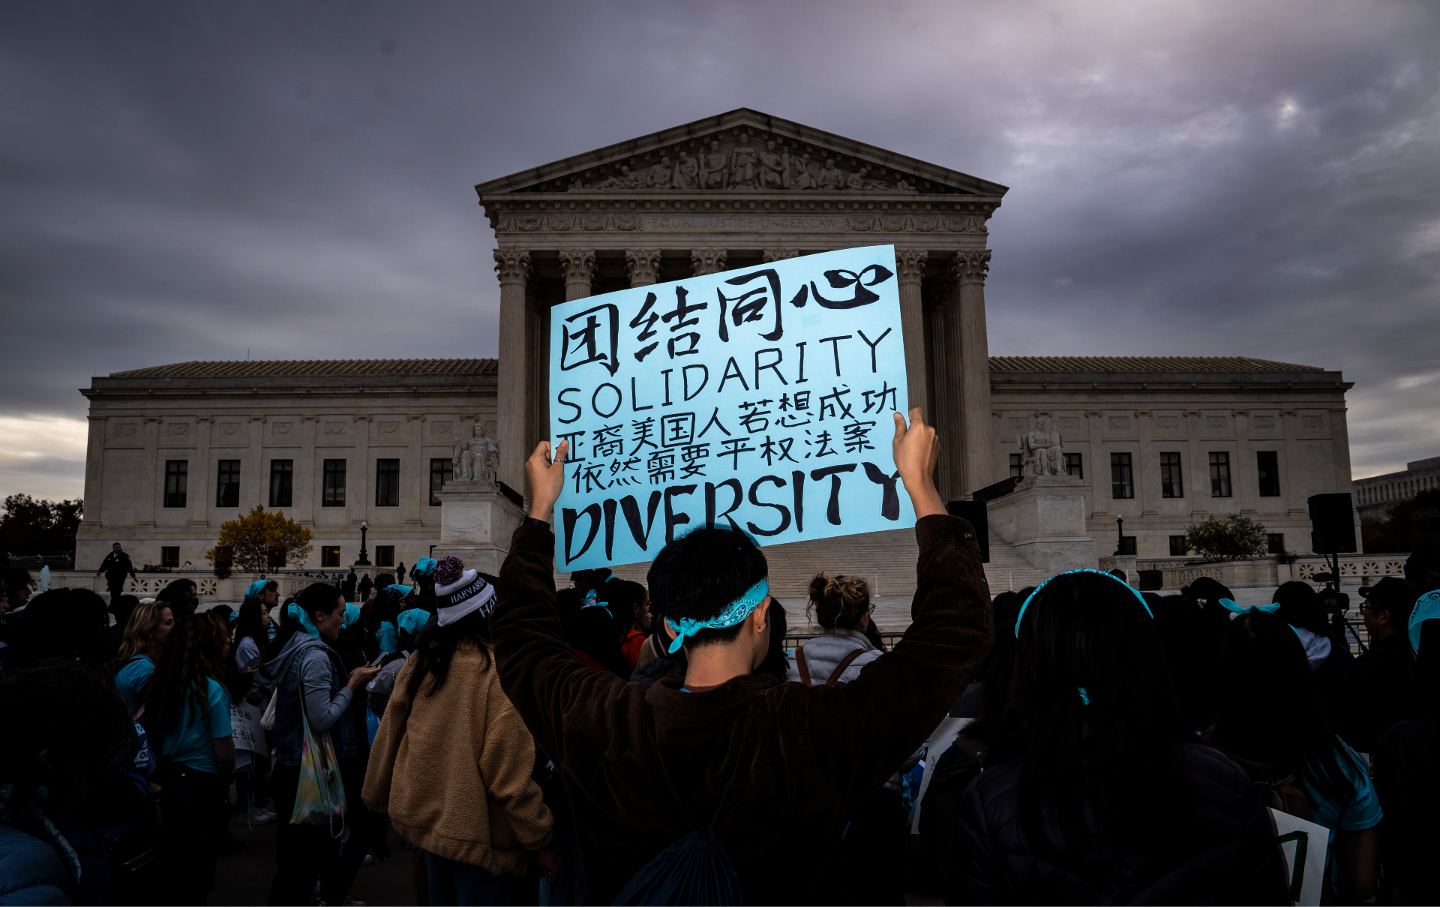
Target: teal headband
(1133, 591)
(1427, 607)
(298, 614)
(352, 614)
(734, 613)
(254, 589)
(1234, 607)
(396, 587)
(423, 567)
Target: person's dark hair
(65, 732)
(596, 632)
(698, 574)
(251, 623)
(67, 624)
(436, 647)
(1190, 637)
(192, 654)
(1422, 567)
(1268, 710)
(1091, 715)
(316, 598)
(1300, 607)
(386, 605)
(776, 663)
(125, 605)
(221, 613)
(994, 672)
(16, 578)
(624, 598)
(181, 596)
(585, 580)
(384, 580)
(838, 602)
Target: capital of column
(643, 266)
(780, 254)
(971, 265)
(911, 263)
(512, 265)
(577, 264)
(707, 261)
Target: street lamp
(1119, 535)
(364, 560)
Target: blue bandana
(1138, 597)
(254, 589)
(298, 614)
(1427, 607)
(1238, 609)
(734, 613)
(423, 567)
(403, 590)
(352, 614)
(592, 601)
(413, 620)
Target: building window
(441, 469)
(1127, 546)
(177, 474)
(1267, 468)
(170, 556)
(1178, 548)
(1122, 478)
(329, 555)
(387, 483)
(1075, 465)
(1172, 480)
(384, 555)
(1017, 466)
(282, 482)
(333, 487)
(1275, 542)
(227, 484)
(1219, 474)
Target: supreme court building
(174, 450)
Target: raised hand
(917, 451)
(544, 478)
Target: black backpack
(694, 870)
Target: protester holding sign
(735, 765)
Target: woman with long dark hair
(187, 714)
(252, 635)
(302, 664)
(142, 639)
(1270, 719)
(1093, 792)
(452, 762)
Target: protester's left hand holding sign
(545, 478)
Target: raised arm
(538, 669)
(862, 731)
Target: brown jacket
(453, 770)
(776, 767)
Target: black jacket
(1403, 765)
(777, 767)
(116, 567)
(1235, 859)
(1378, 694)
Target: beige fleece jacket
(453, 770)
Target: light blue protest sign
(759, 398)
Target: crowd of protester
(1076, 742)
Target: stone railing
(212, 589)
(1355, 570)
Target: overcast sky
(295, 180)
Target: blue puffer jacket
(31, 871)
(309, 662)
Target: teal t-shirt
(1359, 811)
(132, 680)
(191, 743)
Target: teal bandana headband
(413, 620)
(1427, 607)
(352, 614)
(423, 567)
(1237, 609)
(734, 613)
(397, 587)
(254, 589)
(298, 614)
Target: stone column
(707, 261)
(307, 474)
(770, 255)
(943, 408)
(259, 495)
(578, 268)
(512, 396)
(643, 266)
(911, 265)
(205, 487)
(978, 466)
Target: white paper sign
(1304, 844)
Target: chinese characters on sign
(760, 397)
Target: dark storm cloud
(294, 180)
